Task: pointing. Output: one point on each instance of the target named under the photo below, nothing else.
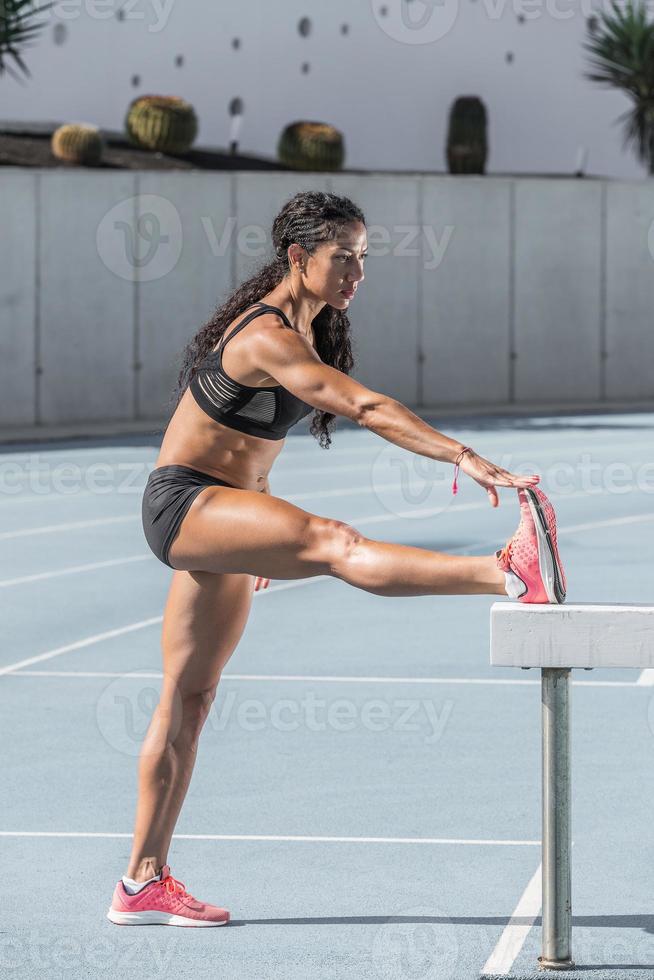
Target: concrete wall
(478, 291)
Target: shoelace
(172, 885)
(505, 553)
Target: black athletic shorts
(168, 494)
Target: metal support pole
(557, 899)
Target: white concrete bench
(555, 639)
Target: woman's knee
(336, 542)
(186, 709)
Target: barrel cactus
(164, 123)
(311, 146)
(467, 147)
(77, 143)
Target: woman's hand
(490, 476)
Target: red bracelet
(466, 449)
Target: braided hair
(308, 219)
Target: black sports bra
(267, 412)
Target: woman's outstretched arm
(291, 360)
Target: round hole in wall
(592, 24)
(306, 68)
(136, 80)
(345, 28)
(383, 11)
(304, 27)
(120, 14)
(179, 60)
(59, 33)
(521, 18)
(236, 43)
(236, 106)
(509, 57)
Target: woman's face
(335, 269)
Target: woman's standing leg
(203, 621)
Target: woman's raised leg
(228, 530)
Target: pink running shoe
(163, 903)
(532, 553)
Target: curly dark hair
(308, 219)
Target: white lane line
(71, 526)
(73, 569)
(517, 929)
(142, 624)
(287, 837)
(79, 644)
(55, 497)
(321, 679)
(611, 522)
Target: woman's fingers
(491, 476)
(518, 481)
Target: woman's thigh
(242, 531)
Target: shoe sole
(153, 918)
(548, 560)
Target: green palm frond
(18, 29)
(621, 55)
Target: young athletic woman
(278, 349)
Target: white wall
(477, 292)
(387, 84)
